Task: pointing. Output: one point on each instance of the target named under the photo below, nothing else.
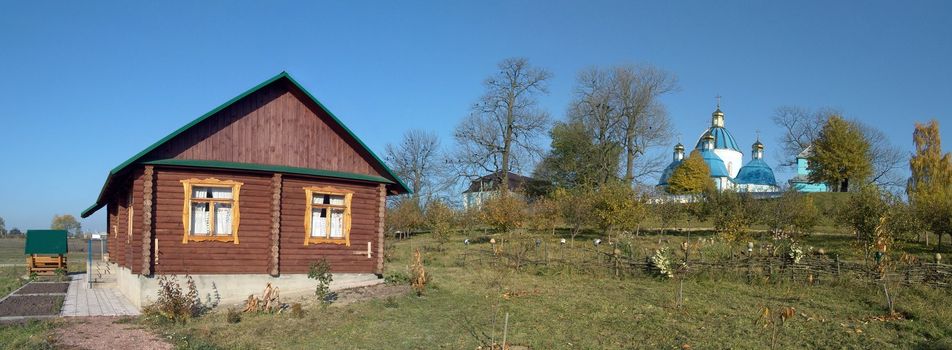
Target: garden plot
(33, 300)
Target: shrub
(233, 316)
(297, 311)
(661, 261)
(321, 271)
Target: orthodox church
(725, 160)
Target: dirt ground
(105, 333)
(378, 291)
(35, 288)
(32, 305)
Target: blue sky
(85, 85)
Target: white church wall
(734, 160)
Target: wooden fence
(811, 268)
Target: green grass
(558, 308)
(28, 335)
(10, 279)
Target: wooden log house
(252, 192)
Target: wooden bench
(45, 265)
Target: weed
(418, 277)
(174, 304)
(390, 303)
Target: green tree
(791, 215)
(66, 222)
(3, 227)
(439, 219)
(504, 213)
(840, 155)
(875, 216)
(575, 206)
(667, 212)
(732, 214)
(545, 215)
(930, 187)
(691, 177)
(616, 206)
(404, 217)
(576, 160)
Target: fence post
(836, 258)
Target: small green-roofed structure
(46, 242)
(47, 250)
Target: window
(211, 210)
(327, 215)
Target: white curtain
(337, 222)
(223, 219)
(221, 192)
(200, 218)
(318, 223)
(337, 200)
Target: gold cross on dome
(718, 97)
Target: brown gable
(275, 125)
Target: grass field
(561, 309)
(11, 252)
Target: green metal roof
(100, 201)
(268, 168)
(45, 242)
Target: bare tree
(593, 108)
(888, 160)
(503, 129)
(417, 160)
(638, 90)
(801, 126)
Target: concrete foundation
(234, 289)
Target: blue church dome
(718, 169)
(722, 139)
(666, 174)
(756, 172)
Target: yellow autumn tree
(930, 187)
(691, 177)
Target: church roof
(666, 174)
(756, 172)
(718, 169)
(806, 152)
(722, 139)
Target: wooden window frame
(130, 215)
(309, 193)
(235, 187)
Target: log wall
(296, 257)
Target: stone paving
(97, 301)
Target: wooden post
(381, 216)
(148, 180)
(274, 263)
